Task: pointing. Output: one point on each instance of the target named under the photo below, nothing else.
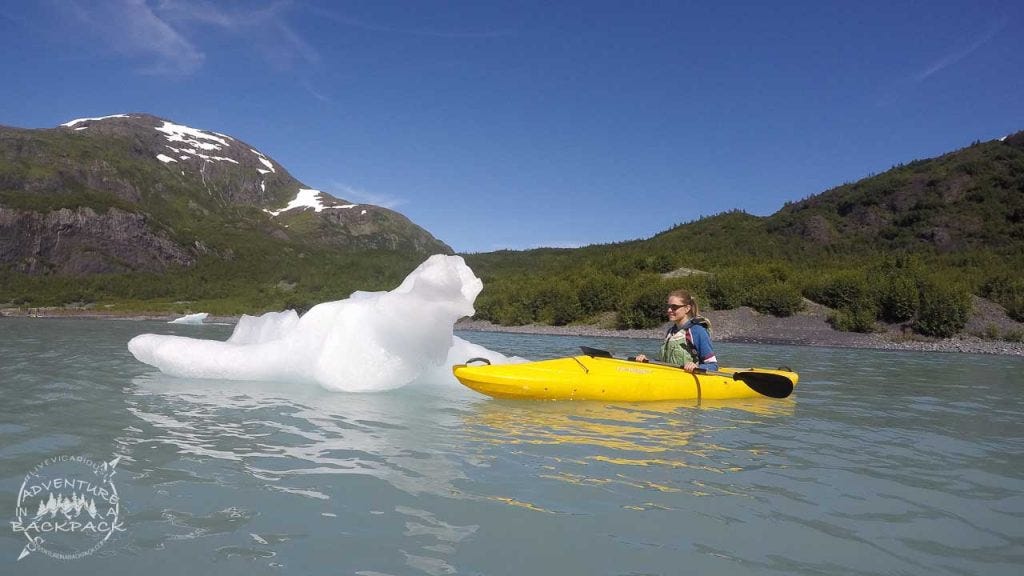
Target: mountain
(971, 199)
(967, 200)
(134, 193)
(944, 227)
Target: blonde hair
(687, 299)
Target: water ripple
(881, 463)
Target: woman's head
(681, 306)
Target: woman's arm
(705, 352)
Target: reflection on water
(603, 445)
(280, 436)
(652, 427)
(580, 424)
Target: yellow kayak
(590, 377)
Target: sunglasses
(674, 307)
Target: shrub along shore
(810, 327)
(901, 290)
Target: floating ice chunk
(461, 351)
(368, 342)
(191, 318)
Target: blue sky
(522, 124)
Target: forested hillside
(909, 245)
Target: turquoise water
(881, 463)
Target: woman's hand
(690, 367)
(640, 358)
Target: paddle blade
(594, 352)
(771, 385)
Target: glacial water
(881, 463)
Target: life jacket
(678, 347)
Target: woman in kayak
(688, 340)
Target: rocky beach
(810, 327)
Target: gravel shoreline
(743, 325)
(808, 328)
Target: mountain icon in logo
(70, 507)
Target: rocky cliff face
(82, 241)
(134, 192)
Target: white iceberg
(368, 342)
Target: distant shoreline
(959, 344)
(743, 325)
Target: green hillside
(909, 245)
(136, 212)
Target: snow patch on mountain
(184, 155)
(192, 136)
(194, 141)
(263, 159)
(186, 143)
(308, 198)
(80, 120)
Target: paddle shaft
(764, 383)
